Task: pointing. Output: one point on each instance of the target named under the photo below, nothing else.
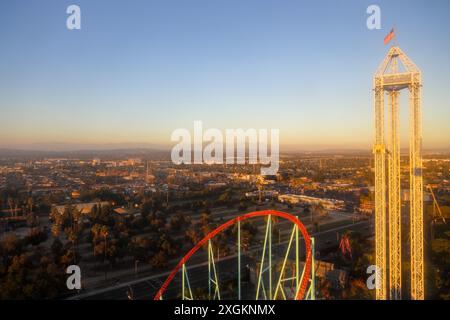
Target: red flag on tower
(389, 37)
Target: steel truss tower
(390, 78)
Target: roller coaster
(300, 285)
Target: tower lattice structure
(396, 73)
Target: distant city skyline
(137, 71)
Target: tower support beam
(380, 191)
(395, 260)
(416, 193)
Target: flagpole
(395, 42)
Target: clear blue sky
(137, 70)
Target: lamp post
(135, 267)
(105, 235)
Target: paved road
(146, 287)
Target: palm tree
(30, 204)
(319, 209)
(12, 202)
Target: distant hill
(155, 154)
(163, 153)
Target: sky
(138, 70)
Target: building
(127, 211)
(330, 204)
(83, 208)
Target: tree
(248, 233)
(32, 220)
(113, 251)
(99, 241)
(139, 248)
(205, 219)
(242, 206)
(325, 290)
(146, 208)
(157, 220)
(167, 245)
(36, 236)
(57, 249)
(30, 204)
(226, 198)
(177, 222)
(192, 234)
(319, 209)
(32, 276)
(68, 257)
(357, 290)
(441, 261)
(13, 205)
(10, 245)
(159, 260)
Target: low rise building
(330, 204)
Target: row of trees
(145, 238)
(27, 271)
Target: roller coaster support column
(270, 257)
(297, 258)
(239, 258)
(212, 267)
(313, 270)
(184, 280)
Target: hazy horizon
(73, 147)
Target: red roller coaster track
(293, 219)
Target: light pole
(105, 235)
(135, 267)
